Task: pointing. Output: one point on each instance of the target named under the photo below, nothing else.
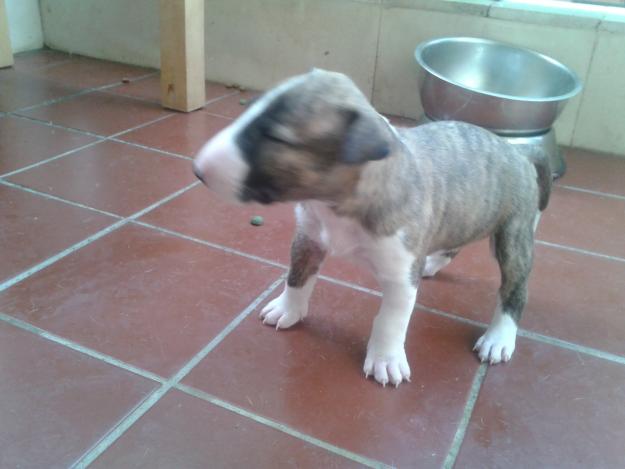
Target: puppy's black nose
(197, 172)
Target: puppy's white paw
(497, 344)
(283, 313)
(387, 367)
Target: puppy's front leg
(307, 254)
(386, 356)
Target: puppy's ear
(365, 138)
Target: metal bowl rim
(465, 39)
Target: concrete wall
(258, 42)
(24, 25)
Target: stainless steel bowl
(507, 89)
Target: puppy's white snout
(220, 165)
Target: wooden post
(182, 54)
(6, 53)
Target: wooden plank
(6, 53)
(182, 54)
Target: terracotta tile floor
(129, 297)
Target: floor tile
(100, 113)
(232, 106)
(574, 297)
(24, 142)
(33, 60)
(183, 431)
(584, 221)
(19, 90)
(110, 176)
(141, 296)
(57, 403)
(548, 408)
(597, 172)
(310, 377)
(183, 133)
(85, 72)
(201, 214)
(150, 89)
(35, 228)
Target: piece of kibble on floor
(257, 220)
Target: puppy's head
(305, 139)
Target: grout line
(58, 199)
(42, 162)
(60, 99)
(56, 126)
(60, 255)
(100, 139)
(579, 250)
(211, 245)
(153, 398)
(280, 427)
(184, 371)
(121, 427)
(593, 352)
(589, 191)
(82, 92)
(353, 286)
(156, 150)
(140, 126)
(218, 115)
(80, 348)
(219, 98)
(455, 317)
(461, 431)
(85, 242)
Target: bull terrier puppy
(403, 200)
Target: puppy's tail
(540, 160)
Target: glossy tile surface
(110, 176)
(31, 142)
(34, 228)
(549, 408)
(20, 90)
(100, 113)
(584, 221)
(591, 171)
(183, 431)
(56, 403)
(140, 296)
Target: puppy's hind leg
(307, 254)
(513, 245)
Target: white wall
(258, 42)
(122, 30)
(24, 25)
